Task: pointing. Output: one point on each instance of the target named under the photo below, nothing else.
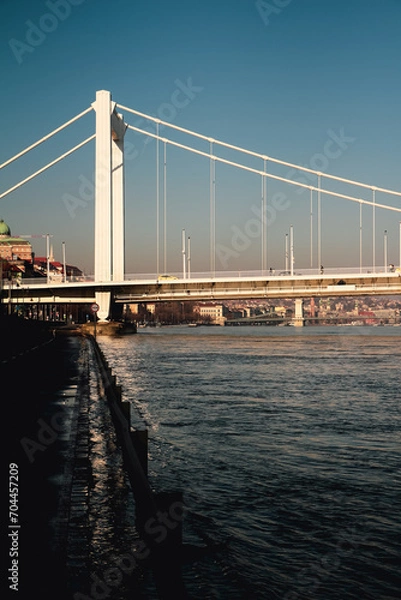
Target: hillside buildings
(13, 249)
(18, 259)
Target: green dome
(4, 228)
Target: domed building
(4, 229)
(13, 249)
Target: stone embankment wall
(57, 387)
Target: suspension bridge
(110, 282)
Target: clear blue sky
(278, 77)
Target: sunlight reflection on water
(284, 443)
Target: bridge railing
(53, 280)
(337, 272)
(289, 288)
(306, 272)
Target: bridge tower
(299, 320)
(109, 197)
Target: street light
(47, 256)
(189, 258)
(360, 237)
(64, 263)
(186, 256)
(183, 255)
(292, 248)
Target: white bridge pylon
(109, 197)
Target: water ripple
(287, 448)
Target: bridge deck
(212, 288)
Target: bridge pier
(103, 299)
(299, 320)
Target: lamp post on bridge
(184, 259)
(286, 252)
(64, 263)
(292, 248)
(47, 257)
(289, 252)
(186, 256)
(189, 258)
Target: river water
(286, 443)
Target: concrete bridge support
(299, 320)
(109, 197)
(103, 299)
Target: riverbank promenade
(82, 513)
(40, 371)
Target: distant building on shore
(13, 249)
(214, 313)
(56, 268)
(17, 257)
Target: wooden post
(139, 438)
(171, 503)
(167, 560)
(118, 393)
(126, 410)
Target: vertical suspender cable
(360, 237)
(165, 208)
(212, 200)
(399, 258)
(262, 229)
(157, 201)
(214, 217)
(311, 228)
(319, 222)
(189, 258)
(210, 207)
(286, 253)
(374, 231)
(264, 218)
(385, 254)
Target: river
(286, 444)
